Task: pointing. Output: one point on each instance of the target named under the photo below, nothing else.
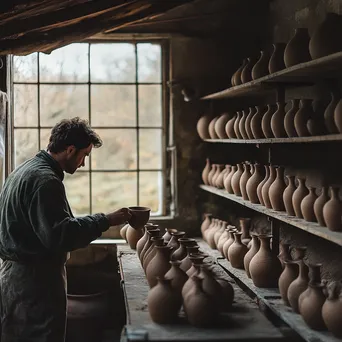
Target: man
(38, 229)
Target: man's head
(71, 141)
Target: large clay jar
(276, 62)
(265, 268)
(237, 125)
(245, 226)
(246, 74)
(243, 180)
(260, 68)
(298, 286)
(163, 302)
(324, 40)
(177, 276)
(288, 275)
(180, 253)
(236, 180)
(203, 127)
(256, 122)
(289, 125)
(228, 180)
(319, 204)
(338, 116)
(266, 187)
(229, 241)
(266, 121)
(133, 236)
(211, 128)
(251, 253)
(307, 206)
(237, 74)
(332, 310)
(142, 242)
(332, 211)
(298, 196)
(230, 127)
(260, 186)
(329, 113)
(302, 116)
(205, 172)
(277, 121)
(297, 49)
(173, 243)
(288, 194)
(237, 251)
(220, 126)
(242, 125)
(206, 223)
(276, 191)
(253, 183)
(248, 125)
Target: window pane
(150, 105)
(77, 190)
(149, 62)
(112, 191)
(25, 144)
(25, 68)
(114, 62)
(118, 151)
(150, 149)
(113, 105)
(150, 190)
(59, 102)
(25, 105)
(67, 64)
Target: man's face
(76, 158)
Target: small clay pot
(140, 216)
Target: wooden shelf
(310, 227)
(327, 67)
(321, 138)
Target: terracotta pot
(297, 49)
(245, 226)
(150, 234)
(251, 253)
(338, 116)
(276, 62)
(229, 241)
(235, 181)
(307, 206)
(302, 116)
(205, 172)
(173, 243)
(180, 253)
(151, 252)
(253, 183)
(167, 236)
(237, 251)
(228, 181)
(260, 186)
(140, 216)
(133, 236)
(277, 121)
(164, 302)
(220, 126)
(266, 121)
(248, 125)
(237, 125)
(206, 223)
(332, 211)
(142, 242)
(284, 253)
(230, 127)
(227, 294)
(289, 124)
(203, 127)
(289, 274)
(288, 194)
(246, 74)
(220, 176)
(243, 180)
(319, 204)
(260, 68)
(237, 74)
(298, 196)
(211, 128)
(276, 191)
(256, 122)
(123, 231)
(329, 113)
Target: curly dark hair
(76, 132)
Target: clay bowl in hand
(140, 216)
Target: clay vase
(260, 68)
(186, 263)
(266, 187)
(168, 234)
(209, 284)
(210, 233)
(180, 253)
(177, 277)
(265, 268)
(173, 243)
(338, 116)
(298, 196)
(152, 251)
(205, 172)
(150, 234)
(288, 194)
(276, 62)
(329, 113)
(197, 261)
(251, 253)
(260, 186)
(228, 171)
(242, 124)
(219, 178)
(245, 226)
(302, 117)
(299, 253)
(123, 231)
(237, 74)
(297, 49)
(319, 204)
(277, 121)
(133, 236)
(219, 232)
(203, 127)
(237, 251)
(211, 128)
(220, 126)
(227, 291)
(289, 274)
(211, 174)
(228, 242)
(248, 125)
(246, 74)
(307, 206)
(190, 283)
(284, 253)
(163, 302)
(223, 238)
(256, 122)
(266, 121)
(159, 265)
(206, 223)
(332, 211)
(228, 180)
(237, 125)
(243, 180)
(230, 127)
(276, 191)
(236, 180)
(298, 286)
(142, 242)
(218, 169)
(324, 40)
(289, 125)
(332, 310)
(253, 183)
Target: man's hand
(119, 216)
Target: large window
(118, 87)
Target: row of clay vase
(303, 118)
(324, 41)
(179, 276)
(269, 189)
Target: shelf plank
(327, 67)
(310, 227)
(321, 138)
